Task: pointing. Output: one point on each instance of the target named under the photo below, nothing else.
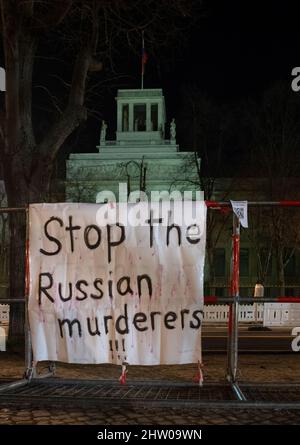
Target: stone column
(119, 117)
(148, 117)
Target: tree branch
(57, 11)
(75, 111)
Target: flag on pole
(144, 60)
(240, 208)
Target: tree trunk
(27, 164)
(19, 194)
(210, 279)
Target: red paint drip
(288, 299)
(27, 275)
(210, 300)
(289, 203)
(198, 378)
(123, 375)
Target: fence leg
(30, 366)
(232, 341)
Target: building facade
(141, 157)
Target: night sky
(237, 51)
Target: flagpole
(143, 49)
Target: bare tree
(3, 241)
(208, 128)
(90, 32)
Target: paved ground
(255, 368)
(214, 336)
(277, 339)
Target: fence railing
(233, 301)
(270, 314)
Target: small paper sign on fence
(240, 208)
(107, 292)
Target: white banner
(105, 291)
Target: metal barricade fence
(233, 301)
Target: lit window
(139, 117)
(266, 262)
(154, 117)
(125, 113)
(219, 262)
